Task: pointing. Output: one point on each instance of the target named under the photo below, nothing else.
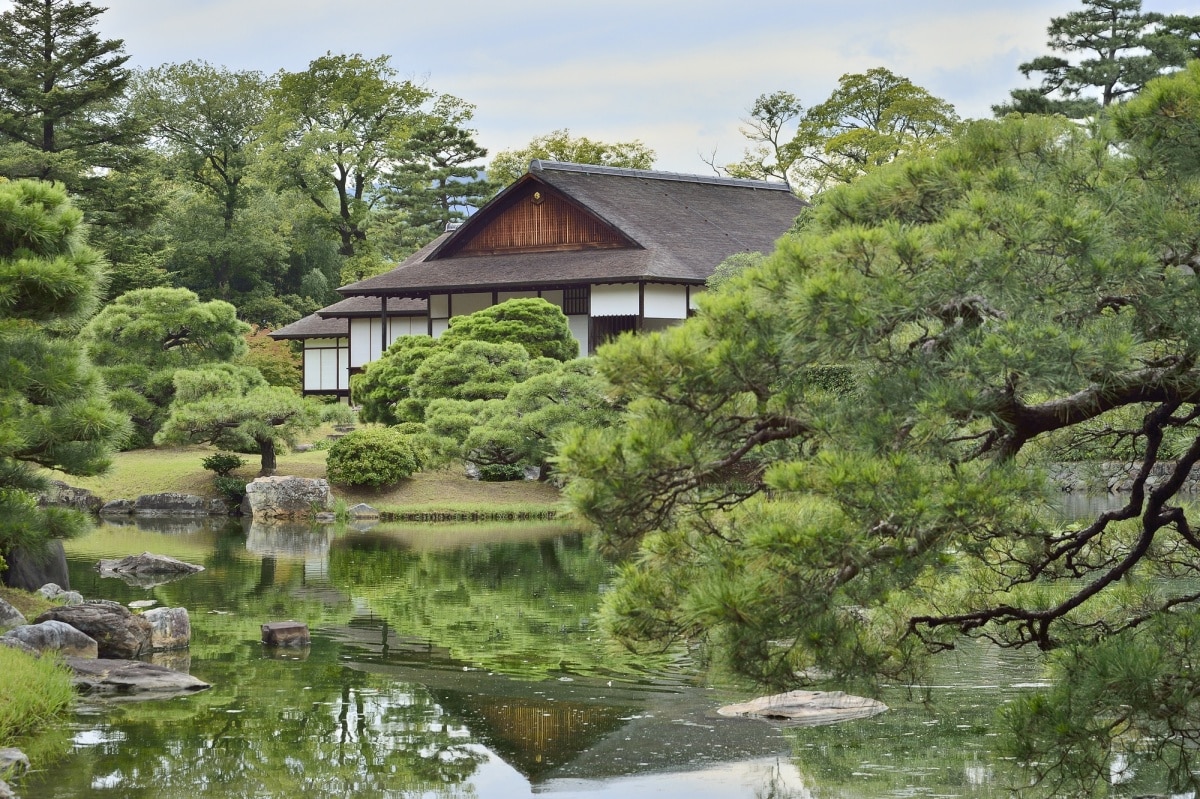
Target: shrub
(223, 463)
(501, 473)
(232, 488)
(372, 457)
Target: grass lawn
(153, 471)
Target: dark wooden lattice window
(575, 301)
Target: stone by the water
(55, 636)
(807, 708)
(132, 677)
(170, 628)
(142, 604)
(285, 633)
(118, 632)
(286, 497)
(13, 762)
(10, 616)
(147, 569)
(362, 511)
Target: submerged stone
(132, 677)
(285, 633)
(807, 708)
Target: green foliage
(141, 338)
(275, 360)
(559, 145)
(869, 120)
(1122, 49)
(232, 406)
(60, 88)
(222, 463)
(383, 390)
(981, 300)
(232, 488)
(474, 370)
(537, 325)
(54, 410)
(501, 473)
(373, 457)
(733, 265)
(38, 693)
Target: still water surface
(456, 661)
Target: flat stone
(170, 628)
(807, 708)
(62, 495)
(112, 676)
(117, 631)
(117, 507)
(286, 497)
(13, 762)
(55, 636)
(171, 503)
(285, 633)
(10, 616)
(141, 604)
(148, 563)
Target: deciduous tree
(559, 145)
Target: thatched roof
(663, 227)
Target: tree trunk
(266, 450)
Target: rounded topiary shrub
(376, 456)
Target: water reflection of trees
(522, 608)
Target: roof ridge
(545, 165)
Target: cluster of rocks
(101, 642)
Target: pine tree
(61, 88)
(1122, 48)
(54, 411)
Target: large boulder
(117, 507)
(30, 569)
(806, 708)
(146, 680)
(170, 628)
(282, 497)
(10, 616)
(118, 632)
(172, 503)
(54, 636)
(62, 495)
(147, 564)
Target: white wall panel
(312, 370)
(408, 326)
(579, 329)
(440, 326)
(555, 297)
(505, 296)
(665, 302)
(360, 342)
(615, 299)
(463, 304)
(439, 306)
(329, 369)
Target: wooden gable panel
(539, 219)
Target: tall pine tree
(61, 89)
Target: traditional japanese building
(615, 249)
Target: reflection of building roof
(369, 306)
(641, 225)
(313, 326)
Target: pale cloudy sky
(677, 75)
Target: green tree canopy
(54, 411)
(60, 90)
(141, 338)
(559, 145)
(537, 325)
(870, 119)
(993, 316)
(1119, 47)
(227, 405)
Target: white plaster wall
(463, 304)
(665, 302)
(579, 329)
(615, 299)
(439, 306)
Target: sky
(679, 76)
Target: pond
(465, 661)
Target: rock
(325, 517)
(5, 791)
(362, 511)
(117, 507)
(141, 604)
(131, 677)
(13, 762)
(170, 628)
(147, 569)
(147, 564)
(172, 503)
(10, 616)
(117, 631)
(807, 708)
(62, 495)
(283, 497)
(55, 636)
(54, 593)
(30, 570)
(285, 633)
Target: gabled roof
(312, 326)
(656, 226)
